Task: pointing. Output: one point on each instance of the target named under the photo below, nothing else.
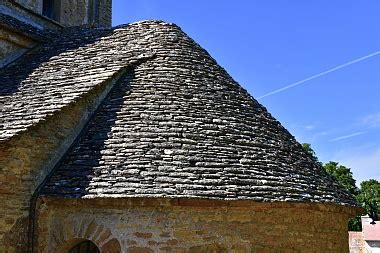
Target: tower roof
(174, 125)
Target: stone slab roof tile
(61, 71)
(175, 125)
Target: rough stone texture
(34, 5)
(28, 14)
(10, 23)
(191, 226)
(356, 242)
(368, 240)
(75, 12)
(177, 126)
(13, 45)
(27, 159)
(58, 73)
(10, 47)
(105, 13)
(71, 12)
(16, 38)
(174, 124)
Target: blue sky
(271, 44)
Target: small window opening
(51, 9)
(85, 247)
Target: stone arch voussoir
(67, 233)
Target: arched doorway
(84, 247)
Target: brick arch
(67, 233)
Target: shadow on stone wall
(84, 162)
(14, 240)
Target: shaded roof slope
(175, 125)
(60, 72)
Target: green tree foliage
(355, 224)
(369, 197)
(343, 175)
(307, 148)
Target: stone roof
(175, 125)
(59, 73)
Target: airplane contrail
(320, 74)
(347, 136)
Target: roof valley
(112, 84)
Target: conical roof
(175, 125)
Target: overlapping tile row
(177, 125)
(61, 71)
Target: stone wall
(75, 12)
(368, 240)
(26, 160)
(34, 5)
(12, 45)
(28, 15)
(180, 225)
(356, 242)
(105, 13)
(72, 12)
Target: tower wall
(67, 12)
(74, 12)
(105, 14)
(13, 45)
(33, 5)
(81, 12)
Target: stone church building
(133, 139)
